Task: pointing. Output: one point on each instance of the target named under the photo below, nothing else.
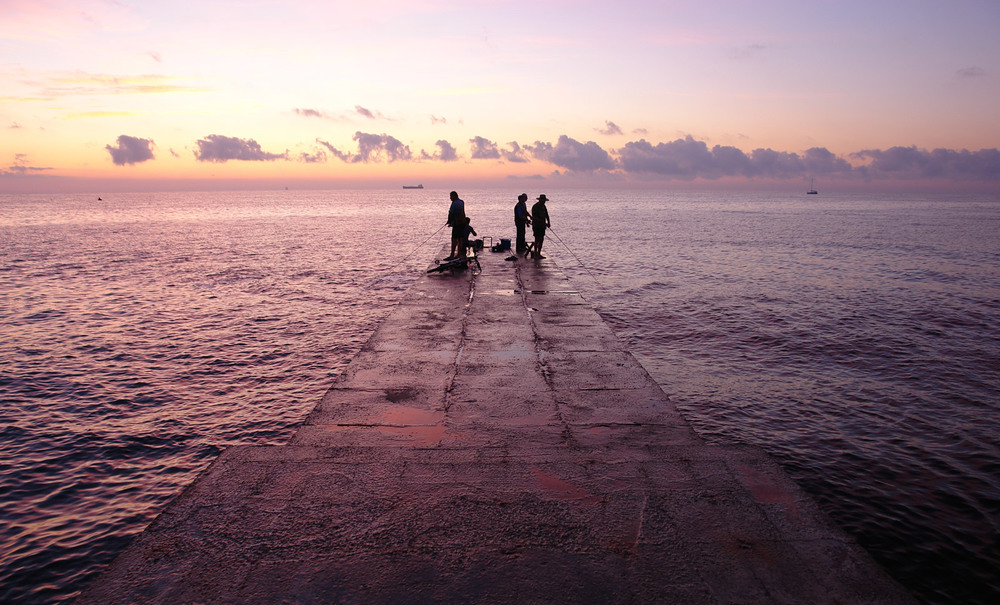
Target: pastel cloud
(688, 159)
(87, 84)
(130, 150)
(21, 168)
(313, 158)
(368, 113)
(372, 148)
(910, 162)
(309, 113)
(446, 152)
(515, 154)
(340, 155)
(219, 148)
(610, 128)
(484, 149)
(972, 72)
(573, 155)
(681, 159)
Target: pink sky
(118, 94)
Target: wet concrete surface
(494, 442)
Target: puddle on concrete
(412, 436)
(548, 291)
(418, 426)
(419, 435)
(563, 490)
(404, 415)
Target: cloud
(218, 148)
(309, 113)
(910, 162)
(819, 160)
(340, 155)
(448, 152)
(573, 155)
(972, 72)
(15, 126)
(20, 168)
(372, 148)
(313, 158)
(371, 115)
(683, 159)
(688, 159)
(484, 149)
(445, 153)
(516, 154)
(437, 120)
(610, 128)
(131, 150)
(78, 84)
(776, 164)
(747, 52)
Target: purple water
(856, 339)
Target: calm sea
(855, 338)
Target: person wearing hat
(521, 219)
(539, 222)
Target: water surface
(854, 338)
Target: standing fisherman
(539, 222)
(521, 219)
(456, 220)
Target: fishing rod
(577, 258)
(415, 249)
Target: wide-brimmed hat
(542, 198)
(522, 197)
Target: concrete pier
(493, 442)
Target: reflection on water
(854, 339)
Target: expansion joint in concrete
(543, 369)
(453, 371)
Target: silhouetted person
(469, 232)
(456, 220)
(521, 219)
(539, 222)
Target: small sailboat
(812, 188)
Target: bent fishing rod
(576, 257)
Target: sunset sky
(132, 94)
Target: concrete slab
(494, 442)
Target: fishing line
(412, 251)
(577, 259)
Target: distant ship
(812, 188)
(413, 186)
